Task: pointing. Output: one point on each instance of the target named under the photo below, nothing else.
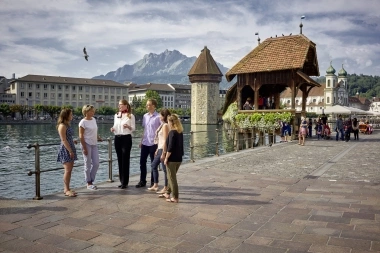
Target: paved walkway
(322, 197)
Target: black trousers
(123, 146)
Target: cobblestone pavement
(321, 197)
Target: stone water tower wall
(204, 103)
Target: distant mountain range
(167, 67)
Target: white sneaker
(92, 187)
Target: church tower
(205, 77)
(342, 81)
(331, 82)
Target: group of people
(162, 142)
(263, 103)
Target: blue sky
(46, 37)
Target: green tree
(106, 110)
(38, 109)
(136, 103)
(152, 94)
(22, 109)
(52, 110)
(5, 109)
(78, 111)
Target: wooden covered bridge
(271, 67)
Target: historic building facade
(335, 91)
(55, 90)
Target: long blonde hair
(175, 123)
(64, 117)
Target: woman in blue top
(67, 153)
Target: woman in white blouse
(124, 125)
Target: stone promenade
(321, 197)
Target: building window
(93, 89)
(30, 85)
(106, 97)
(118, 97)
(87, 88)
(59, 95)
(52, 95)
(37, 85)
(106, 89)
(80, 88)
(100, 96)
(87, 96)
(100, 89)
(80, 96)
(30, 94)
(328, 100)
(45, 86)
(22, 94)
(112, 97)
(52, 86)
(67, 87)
(73, 87)
(59, 87)
(45, 95)
(74, 96)
(67, 96)
(37, 95)
(328, 83)
(93, 97)
(314, 100)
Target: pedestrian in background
(123, 126)
(355, 128)
(88, 136)
(173, 157)
(67, 153)
(339, 128)
(151, 122)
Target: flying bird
(85, 54)
(290, 34)
(283, 35)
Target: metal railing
(248, 142)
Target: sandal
(70, 194)
(172, 200)
(164, 195)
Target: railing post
(253, 139)
(237, 140)
(37, 171)
(217, 143)
(192, 146)
(109, 160)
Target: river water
(16, 160)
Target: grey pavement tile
(5, 238)
(74, 245)
(238, 233)
(165, 241)
(188, 247)
(360, 235)
(370, 228)
(52, 239)
(375, 245)
(283, 227)
(61, 229)
(321, 231)
(311, 238)
(197, 238)
(330, 219)
(225, 242)
(329, 249)
(83, 234)
(259, 240)
(366, 216)
(249, 248)
(98, 249)
(340, 226)
(108, 240)
(207, 249)
(272, 233)
(74, 222)
(27, 233)
(16, 245)
(308, 223)
(46, 225)
(297, 246)
(5, 226)
(351, 243)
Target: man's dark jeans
(145, 152)
(341, 134)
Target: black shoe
(141, 184)
(124, 186)
(120, 186)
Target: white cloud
(47, 36)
